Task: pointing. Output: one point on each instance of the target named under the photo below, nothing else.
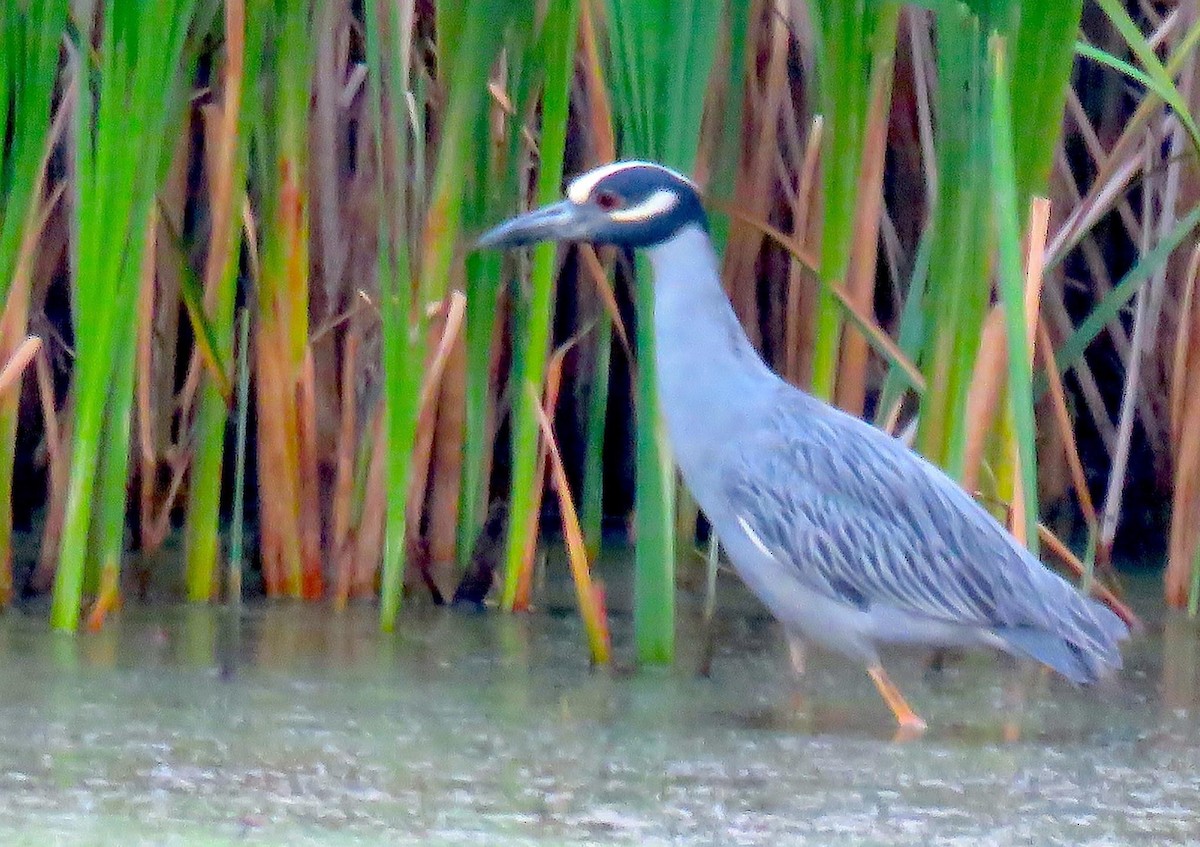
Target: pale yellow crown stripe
(580, 188)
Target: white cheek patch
(658, 203)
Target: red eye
(607, 201)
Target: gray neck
(710, 377)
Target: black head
(634, 204)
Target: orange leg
(905, 716)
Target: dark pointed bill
(562, 221)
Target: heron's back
(863, 518)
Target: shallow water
(294, 725)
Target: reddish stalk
(851, 385)
(1039, 223)
(447, 458)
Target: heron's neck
(710, 376)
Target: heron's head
(632, 204)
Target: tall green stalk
(727, 152)
(482, 281)
(237, 562)
(958, 286)
(1008, 224)
(558, 40)
(987, 176)
(121, 153)
(662, 56)
(389, 43)
(852, 37)
(591, 516)
(493, 194)
(469, 37)
(201, 529)
(30, 44)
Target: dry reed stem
(864, 323)
(58, 470)
(1091, 142)
(1102, 284)
(983, 396)
(368, 545)
(1105, 191)
(553, 386)
(285, 415)
(924, 74)
(851, 384)
(185, 400)
(312, 579)
(16, 349)
(1097, 589)
(595, 270)
(14, 368)
(1035, 263)
(343, 489)
(1122, 161)
(590, 596)
(752, 188)
(160, 522)
(108, 597)
(225, 141)
(170, 257)
(15, 316)
(447, 457)
(447, 326)
(279, 498)
(599, 113)
(1185, 412)
(446, 323)
(1056, 312)
(1145, 321)
(325, 143)
(1035, 254)
(800, 299)
(1187, 339)
(528, 139)
(1062, 417)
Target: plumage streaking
(850, 539)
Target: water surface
(289, 724)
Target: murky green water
(310, 728)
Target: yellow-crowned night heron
(850, 539)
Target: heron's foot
(908, 721)
(798, 704)
(797, 653)
(1015, 697)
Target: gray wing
(865, 520)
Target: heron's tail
(1087, 652)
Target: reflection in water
(1179, 656)
(287, 724)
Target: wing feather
(863, 518)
